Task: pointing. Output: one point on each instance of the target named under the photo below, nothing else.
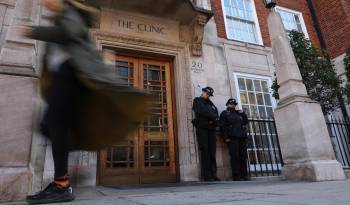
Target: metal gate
(264, 153)
(339, 131)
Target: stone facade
(19, 97)
(202, 56)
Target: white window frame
(301, 17)
(254, 149)
(256, 22)
(258, 77)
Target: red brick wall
(262, 12)
(219, 17)
(334, 19)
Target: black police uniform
(232, 125)
(206, 118)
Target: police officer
(206, 121)
(232, 123)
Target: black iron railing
(264, 152)
(339, 131)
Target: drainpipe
(317, 24)
(324, 47)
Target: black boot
(52, 194)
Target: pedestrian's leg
(235, 165)
(202, 139)
(212, 153)
(58, 128)
(61, 103)
(243, 158)
(60, 154)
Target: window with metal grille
(255, 98)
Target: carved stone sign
(139, 25)
(197, 67)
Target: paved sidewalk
(265, 192)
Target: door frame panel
(141, 172)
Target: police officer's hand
(25, 30)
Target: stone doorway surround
(179, 51)
(182, 41)
(83, 165)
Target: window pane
(269, 112)
(122, 71)
(120, 154)
(257, 86)
(262, 112)
(252, 99)
(241, 84)
(297, 21)
(260, 99)
(244, 98)
(250, 85)
(254, 111)
(265, 87)
(267, 99)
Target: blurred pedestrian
(87, 103)
(233, 130)
(206, 118)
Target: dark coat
(206, 113)
(232, 124)
(110, 110)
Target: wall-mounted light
(270, 3)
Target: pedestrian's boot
(53, 193)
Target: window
(256, 100)
(255, 96)
(241, 21)
(292, 20)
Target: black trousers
(207, 146)
(238, 154)
(58, 117)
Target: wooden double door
(148, 154)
